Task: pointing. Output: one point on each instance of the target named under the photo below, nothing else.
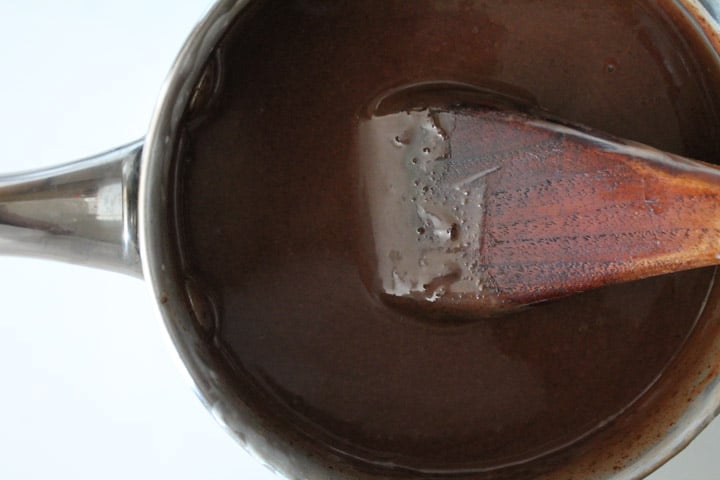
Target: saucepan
(110, 211)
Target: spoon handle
(571, 211)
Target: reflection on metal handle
(83, 212)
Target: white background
(90, 387)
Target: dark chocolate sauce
(275, 225)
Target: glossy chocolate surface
(276, 225)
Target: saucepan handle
(84, 212)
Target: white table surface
(91, 387)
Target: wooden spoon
(477, 211)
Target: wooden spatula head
(476, 211)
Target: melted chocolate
(276, 226)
